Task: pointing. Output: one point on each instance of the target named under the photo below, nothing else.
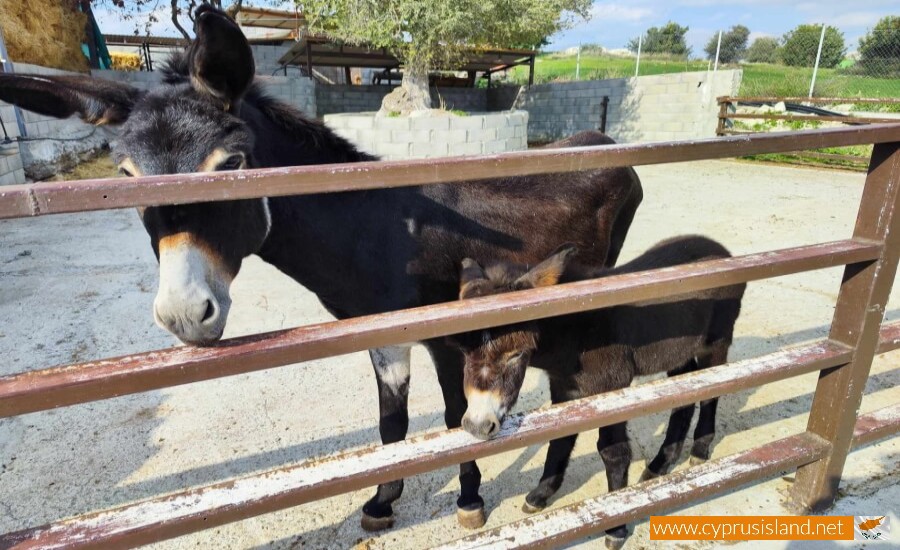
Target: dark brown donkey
(598, 351)
(360, 252)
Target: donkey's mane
(308, 133)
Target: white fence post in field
(718, 47)
(578, 64)
(812, 83)
(637, 65)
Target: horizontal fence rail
(828, 100)
(665, 494)
(60, 197)
(79, 383)
(557, 527)
(181, 513)
(200, 508)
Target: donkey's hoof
(471, 518)
(615, 543)
(647, 475)
(529, 508)
(696, 460)
(372, 524)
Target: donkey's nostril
(210, 311)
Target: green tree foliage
(763, 50)
(734, 45)
(431, 34)
(667, 40)
(879, 49)
(801, 44)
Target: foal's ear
(95, 100)
(221, 60)
(548, 272)
(470, 274)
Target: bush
(763, 50)
(668, 39)
(879, 49)
(801, 44)
(733, 47)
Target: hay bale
(44, 32)
(124, 61)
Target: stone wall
(396, 138)
(360, 99)
(647, 108)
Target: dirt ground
(80, 287)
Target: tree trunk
(413, 93)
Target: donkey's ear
(470, 274)
(95, 100)
(220, 57)
(548, 272)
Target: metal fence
(819, 453)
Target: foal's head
(496, 358)
(188, 124)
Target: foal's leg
(392, 374)
(558, 454)
(676, 433)
(616, 454)
(449, 363)
(705, 432)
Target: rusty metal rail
(843, 359)
(77, 196)
(70, 384)
(188, 511)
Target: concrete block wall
(294, 90)
(266, 58)
(11, 171)
(297, 91)
(396, 138)
(361, 99)
(647, 108)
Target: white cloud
(755, 34)
(854, 19)
(615, 12)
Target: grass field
(758, 79)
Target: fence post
(723, 112)
(812, 83)
(718, 46)
(857, 319)
(637, 65)
(604, 108)
(578, 64)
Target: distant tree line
(879, 49)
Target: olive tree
(432, 34)
(800, 46)
(733, 46)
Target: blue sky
(614, 23)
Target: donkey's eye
(125, 172)
(234, 162)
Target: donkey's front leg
(392, 374)
(449, 364)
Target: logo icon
(871, 527)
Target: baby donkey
(598, 351)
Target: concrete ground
(79, 287)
